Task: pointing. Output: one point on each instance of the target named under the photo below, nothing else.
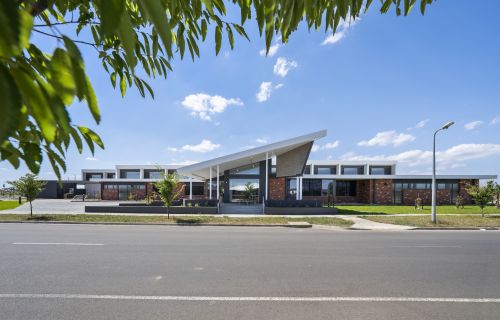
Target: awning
(291, 157)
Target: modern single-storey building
(280, 171)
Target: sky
(381, 87)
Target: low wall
(300, 211)
(150, 209)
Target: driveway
(55, 206)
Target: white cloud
(283, 66)
(420, 124)
(91, 159)
(495, 120)
(387, 138)
(326, 146)
(203, 105)
(272, 50)
(265, 90)
(472, 125)
(261, 140)
(204, 146)
(451, 158)
(341, 32)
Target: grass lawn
(174, 219)
(443, 221)
(8, 204)
(375, 209)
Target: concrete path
(360, 223)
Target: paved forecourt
(158, 272)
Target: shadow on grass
(41, 218)
(348, 212)
(188, 221)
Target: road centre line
(59, 243)
(245, 299)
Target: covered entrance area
(243, 177)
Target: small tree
(249, 191)
(29, 187)
(482, 195)
(419, 203)
(167, 190)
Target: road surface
(170, 272)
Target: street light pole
(445, 127)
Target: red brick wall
(277, 188)
(109, 194)
(363, 191)
(382, 191)
(463, 184)
(410, 195)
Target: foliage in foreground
(127, 36)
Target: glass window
(311, 187)
(241, 190)
(352, 170)
(385, 170)
(420, 186)
(93, 176)
(291, 188)
(327, 184)
(346, 188)
(250, 169)
(153, 174)
(130, 174)
(325, 169)
(198, 189)
(307, 169)
(110, 175)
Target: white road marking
(424, 246)
(244, 299)
(59, 243)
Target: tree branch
(61, 38)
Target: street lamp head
(449, 124)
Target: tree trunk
(31, 209)
(168, 212)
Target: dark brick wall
(382, 193)
(363, 191)
(277, 188)
(109, 194)
(463, 184)
(410, 195)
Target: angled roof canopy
(285, 148)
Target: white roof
(254, 155)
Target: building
(281, 171)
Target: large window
(400, 186)
(325, 169)
(153, 174)
(130, 174)
(382, 170)
(252, 169)
(327, 184)
(307, 169)
(311, 187)
(346, 189)
(291, 188)
(242, 190)
(92, 176)
(198, 189)
(353, 170)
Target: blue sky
(380, 89)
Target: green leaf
(90, 137)
(155, 11)
(128, 38)
(10, 107)
(92, 101)
(76, 138)
(32, 156)
(218, 39)
(61, 76)
(123, 86)
(36, 102)
(111, 12)
(15, 26)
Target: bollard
(19, 200)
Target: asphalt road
(168, 272)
